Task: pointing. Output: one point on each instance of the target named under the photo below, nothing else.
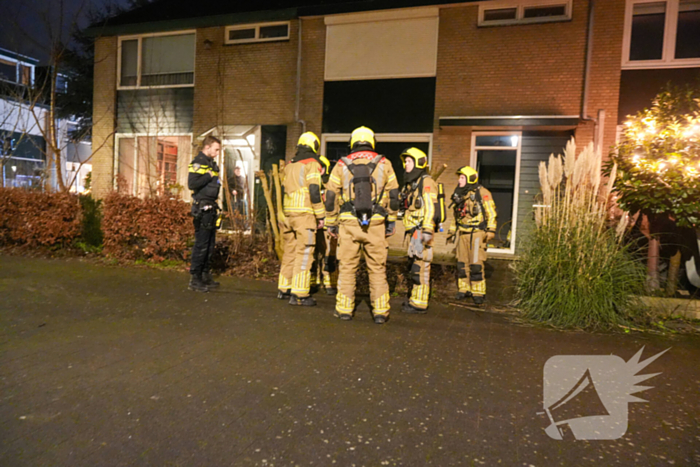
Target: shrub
(91, 228)
(154, 229)
(38, 219)
(575, 270)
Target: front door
(496, 156)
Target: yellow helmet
(362, 135)
(325, 163)
(419, 158)
(471, 174)
(311, 140)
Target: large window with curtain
(163, 60)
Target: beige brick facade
(529, 69)
(104, 117)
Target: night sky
(29, 26)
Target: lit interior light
(513, 141)
(236, 142)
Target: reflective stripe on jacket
(299, 179)
(423, 217)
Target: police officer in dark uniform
(203, 180)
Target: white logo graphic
(587, 395)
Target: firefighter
(326, 263)
(474, 226)
(203, 180)
(304, 214)
(418, 202)
(361, 204)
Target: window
(157, 61)
(496, 156)
(537, 11)
(149, 165)
(663, 34)
(16, 72)
(256, 33)
(8, 71)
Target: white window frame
(668, 59)
(383, 138)
(257, 27)
(516, 185)
(140, 38)
(17, 63)
(520, 12)
(136, 136)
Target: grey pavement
(111, 366)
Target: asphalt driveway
(116, 366)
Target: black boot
(209, 281)
(343, 316)
(380, 319)
(197, 284)
(408, 308)
(284, 295)
(331, 291)
(479, 299)
(303, 301)
(463, 295)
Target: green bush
(575, 271)
(91, 229)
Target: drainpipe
(298, 102)
(597, 129)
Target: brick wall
(313, 58)
(244, 84)
(104, 105)
(605, 72)
(532, 69)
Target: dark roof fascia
(373, 5)
(19, 57)
(531, 120)
(193, 23)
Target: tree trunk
(674, 267)
(653, 263)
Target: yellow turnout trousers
(325, 268)
(330, 263)
(471, 254)
(352, 242)
(299, 237)
(420, 256)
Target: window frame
(135, 136)
(256, 26)
(516, 183)
(667, 59)
(18, 64)
(520, 12)
(139, 38)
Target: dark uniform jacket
(205, 187)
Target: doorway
(496, 156)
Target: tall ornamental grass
(575, 270)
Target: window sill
(645, 65)
(168, 86)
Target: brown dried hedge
(154, 229)
(34, 218)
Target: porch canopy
(513, 121)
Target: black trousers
(204, 240)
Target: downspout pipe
(597, 137)
(298, 96)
